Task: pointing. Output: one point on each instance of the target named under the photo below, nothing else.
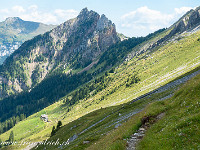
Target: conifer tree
(11, 137)
(59, 124)
(0, 143)
(53, 131)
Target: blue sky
(132, 17)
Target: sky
(131, 17)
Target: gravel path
(141, 132)
(30, 146)
(137, 136)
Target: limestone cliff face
(72, 45)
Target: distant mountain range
(14, 31)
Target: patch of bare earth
(137, 136)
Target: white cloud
(33, 13)
(182, 10)
(63, 13)
(33, 7)
(144, 20)
(4, 11)
(18, 9)
(40, 17)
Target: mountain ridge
(175, 31)
(74, 44)
(14, 31)
(118, 80)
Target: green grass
(126, 130)
(99, 131)
(178, 129)
(162, 66)
(64, 133)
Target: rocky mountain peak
(84, 10)
(103, 23)
(18, 23)
(194, 19)
(11, 20)
(85, 14)
(75, 44)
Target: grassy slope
(165, 64)
(107, 137)
(99, 131)
(178, 129)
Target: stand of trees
(59, 84)
(44, 94)
(116, 53)
(89, 89)
(55, 129)
(9, 123)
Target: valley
(102, 89)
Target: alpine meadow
(82, 85)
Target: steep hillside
(59, 84)
(14, 31)
(72, 45)
(111, 127)
(115, 87)
(169, 124)
(136, 68)
(188, 23)
(179, 128)
(60, 57)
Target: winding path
(137, 136)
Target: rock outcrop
(75, 44)
(190, 22)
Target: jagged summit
(103, 22)
(75, 44)
(85, 13)
(188, 23)
(12, 19)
